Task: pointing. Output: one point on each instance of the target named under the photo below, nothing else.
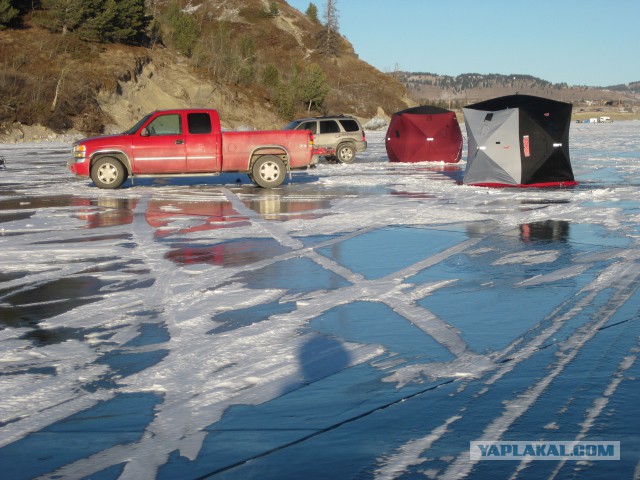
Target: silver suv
(337, 138)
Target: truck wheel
(268, 171)
(346, 153)
(108, 172)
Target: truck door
(202, 145)
(160, 146)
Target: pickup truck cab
(190, 142)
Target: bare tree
(330, 43)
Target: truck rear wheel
(268, 171)
(108, 172)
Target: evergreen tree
(99, 23)
(184, 30)
(7, 13)
(131, 21)
(313, 87)
(97, 20)
(286, 101)
(247, 57)
(271, 76)
(307, 87)
(63, 15)
(122, 21)
(312, 13)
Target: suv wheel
(346, 153)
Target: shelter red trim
(527, 185)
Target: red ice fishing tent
(518, 141)
(424, 134)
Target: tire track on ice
(626, 283)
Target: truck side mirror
(144, 132)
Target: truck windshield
(137, 126)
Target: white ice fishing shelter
(518, 141)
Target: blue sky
(588, 42)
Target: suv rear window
(329, 126)
(350, 125)
(309, 126)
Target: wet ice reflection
(227, 254)
(381, 252)
(368, 322)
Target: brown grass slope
(63, 83)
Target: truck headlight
(79, 152)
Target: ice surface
(362, 321)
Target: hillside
(251, 59)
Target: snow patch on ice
(411, 453)
(529, 257)
(554, 276)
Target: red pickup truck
(190, 142)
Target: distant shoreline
(576, 115)
(615, 116)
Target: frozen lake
(363, 321)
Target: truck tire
(108, 172)
(346, 153)
(268, 171)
